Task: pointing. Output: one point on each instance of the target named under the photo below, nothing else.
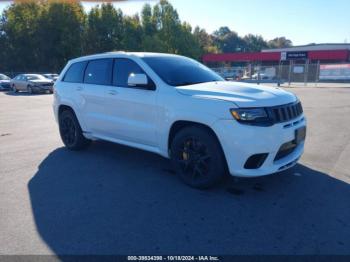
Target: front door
(131, 111)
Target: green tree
(228, 41)
(104, 29)
(205, 41)
(150, 37)
(280, 42)
(20, 29)
(148, 21)
(132, 40)
(187, 43)
(3, 45)
(254, 43)
(167, 31)
(60, 33)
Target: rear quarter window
(75, 73)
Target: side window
(99, 72)
(123, 68)
(75, 73)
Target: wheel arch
(62, 108)
(180, 124)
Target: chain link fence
(293, 74)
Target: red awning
(274, 56)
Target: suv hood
(242, 94)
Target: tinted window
(99, 72)
(180, 71)
(75, 73)
(122, 70)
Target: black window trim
(152, 87)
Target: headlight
(251, 116)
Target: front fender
(165, 126)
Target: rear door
(97, 77)
(72, 88)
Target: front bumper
(43, 89)
(5, 86)
(240, 142)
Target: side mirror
(139, 80)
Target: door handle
(79, 88)
(112, 92)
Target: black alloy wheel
(70, 131)
(197, 157)
(194, 158)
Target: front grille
(5, 85)
(49, 84)
(284, 113)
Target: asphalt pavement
(112, 199)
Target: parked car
(178, 108)
(263, 76)
(53, 77)
(32, 83)
(4, 82)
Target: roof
(311, 47)
(121, 54)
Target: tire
(30, 90)
(14, 89)
(70, 131)
(197, 157)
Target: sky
(302, 21)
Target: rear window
(75, 73)
(99, 72)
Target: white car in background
(32, 83)
(178, 108)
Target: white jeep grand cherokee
(178, 108)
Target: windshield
(181, 71)
(35, 77)
(3, 77)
